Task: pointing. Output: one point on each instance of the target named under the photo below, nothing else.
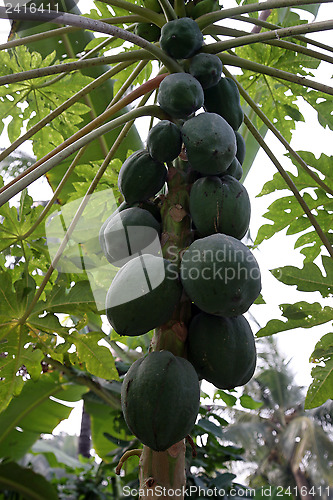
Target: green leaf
(34, 412)
(55, 456)
(17, 351)
(308, 279)
(299, 315)
(229, 399)
(105, 420)
(97, 358)
(321, 389)
(25, 482)
(248, 402)
(210, 427)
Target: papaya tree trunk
(85, 435)
(162, 474)
(303, 485)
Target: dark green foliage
(141, 177)
(160, 399)
(224, 100)
(164, 141)
(210, 143)
(148, 31)
(222, 350)
(143, 295)
(207, 68)
(241, 148)
(128, 232)
(180, 95)
(220, 275)
(181, 38)
(220, 205)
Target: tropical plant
(286, 446)
(68, 93)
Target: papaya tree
(146, 232)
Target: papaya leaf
(35, 411)
(320, 166)
(298, 315)
(285, 212)
(248, 402)
(321, 388)
(210, 427)
(65, 299)
(228, 398)
(16, 352)
(47, 98)
(310, 278)
(42, 99)
(25, 482)
(105, 422)
(57, 457)
(97, 358)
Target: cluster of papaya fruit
(217, 272)
(193, 9)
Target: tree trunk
(85, 435)
(303, 484)
(162, 474)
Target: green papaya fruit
(235, 169)
(204, 7)
(220, 205)
(141, 177)
(148, 31)
(181, 38)
(121, 207)
(160, 398)
(210, 143)
(206, 68)
(143, 295)
(164, 141)
(222, 350)
(180, 95)
(129, 232)
(220, 275)
(224, 100)
(241, 147)
(151, 207)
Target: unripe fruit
(180, 95)
(181, 38)
(207, 69)
(210, 143)
(164, 141)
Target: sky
(297, 345)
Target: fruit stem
(126, 456)
(180, 8)
(168, 10)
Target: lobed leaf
(97, 358)
(298, 315)
(321, 388)
(310, 278)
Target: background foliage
(55, 349)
